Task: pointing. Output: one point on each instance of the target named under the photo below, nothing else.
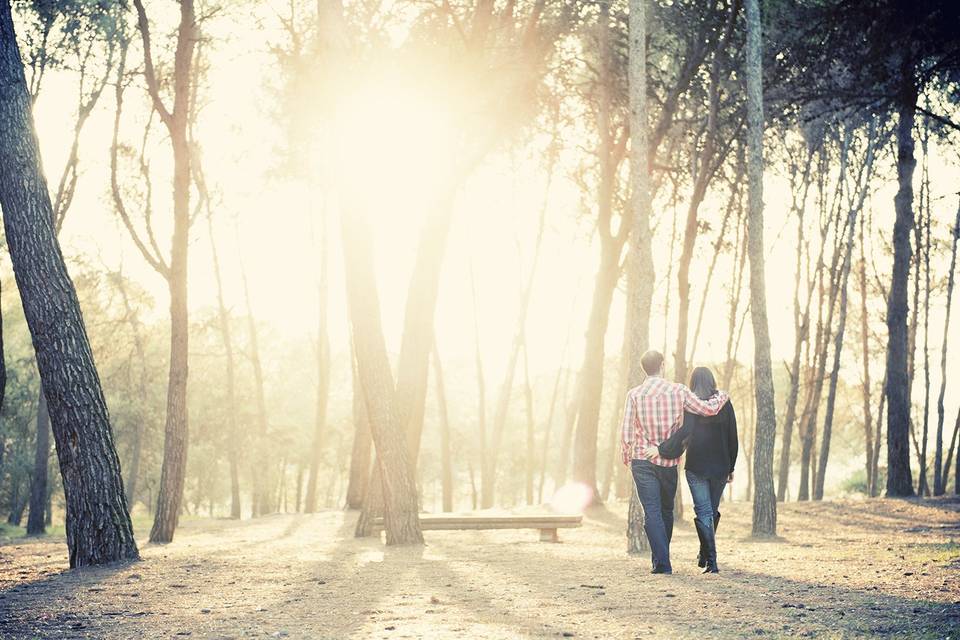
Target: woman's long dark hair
(703, 383)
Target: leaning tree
(98, 523)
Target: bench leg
(549, 535)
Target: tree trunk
(98, 524)
(591, 374)
(899, 477)
(136, 447)
(528, 398)
(640, 267)
(924, 487)
(940, 467)
(360, 471)
(399, 490)
(176, 429)
(262, 495)
(481, 393)
(38, 488)
(849, 231)
(414, 360)
(865, 359)
(801, 325)
(765, 499)
(446, 462)
(506, 389)
(323, 375)
(609, 155)
(226, 335)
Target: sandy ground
(841, 569)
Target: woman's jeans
(656, 488)
(706, 494)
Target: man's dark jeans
(656, 488)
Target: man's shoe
(667, 572)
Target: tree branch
(149, 72)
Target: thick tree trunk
(765, 499)
(98, 524)
(413, 364)
(939, 468)
(899, 477)
(38, 488)
(640, 267)
(591, 374)
(609, 155)
(399, 490)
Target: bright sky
(390, 145)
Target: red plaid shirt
(654, 412)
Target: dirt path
(842, 569)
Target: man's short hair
(651, 362)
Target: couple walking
(653, 440)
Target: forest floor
(842, 569)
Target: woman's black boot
(702, 554)
(709, 546)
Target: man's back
(654, 411)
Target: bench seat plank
(546, 523)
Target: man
(654, 411)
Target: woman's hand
(650, 452)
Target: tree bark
(98, 524)
(399, 490)
(640, 267)
(765, 499)
(899, 477)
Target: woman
(711, 445)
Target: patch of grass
(935, 551)
(9, 532)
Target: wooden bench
(546, 523)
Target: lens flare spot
(573, 497)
